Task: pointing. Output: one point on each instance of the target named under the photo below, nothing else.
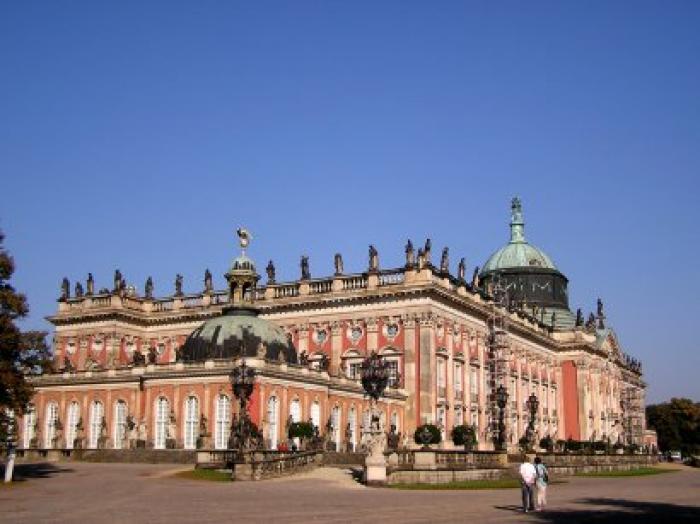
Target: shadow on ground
(41, 470)
(609, 510)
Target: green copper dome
(518, 253)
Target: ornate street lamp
(244, 434)
(501, 402)
(375, 376)
(532, 405)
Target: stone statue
(67, 365)
(426, 250)
(152, 355)
(579, 318)
(244, 237)
(590, 323)
(208, 284)
(172, 427)
(304, 358)
(600, 309)
(305, 273)
(445, 261)
(118, 281)
(410, 255)
(461, 270)
(270, 269)
(475, 279)
(324, 363)
(132, 432)
(421, 258)
(65, 289)
(148, 288)
(338, 263)
(142, 431)
(78, 289)
(178, 285)
(90, 285)
(138, 359)
(373, 258)
(203, 426)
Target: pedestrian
(527, 483)
(542, 480)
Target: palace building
(138, 370)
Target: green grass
(466, 484)
(212, 475)
(638, 472)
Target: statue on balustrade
(324, 363)
(138, 359)
(67, 365)
(410, 255)
(338, 263)
(118, 281)
(148, 288)
(305, 272)
(445, 261)
(421, 258)
(579, 318)
(78, 290)
(208, 284)
(178, 285)
(304, 358)
(90, 285)
(475, 279)
(590, 323)
(373, 259)
(270, 269)
(65, 289)
(461, 270)
(152, 355)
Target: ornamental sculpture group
(375, 379)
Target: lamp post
(501, 402)
(532, 405)
(244, 434)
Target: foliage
(677, 425)
(524, 444)
(21, 354)
(435, 438)
(464, 435)
(547, 443)
(302, 430)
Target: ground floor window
(223, 421)
(273, 414)
(51, 420)
(97, 415)
(72, 427)
(29, 426)
(120, 413)
(191, 422)
(162, 419)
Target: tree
(21, 354)
(677, 425)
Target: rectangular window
(393, 373)
(458, 380)
(355, 370)
(473, 382)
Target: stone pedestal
(375, 469)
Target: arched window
(352, 424)
(119, 424)
(335, 421)
(223, 421)
(295, 414)
(29, 426)
(316, 414)
(97, 415)
(162, 419)
(191, 422)
(366, 421)
(273, 413)
(72, 428)
(50, 430)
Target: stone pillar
(336, 346)
(410, 356)
(427, 369)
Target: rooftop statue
(65, 289)
(338, 263)
(305, 273)
(208, 284)
(78, 289)
(244, 237)
(421, 258)
(90, 285)
(579, 318)
(475, 279)
(461, 269)
(410, 255)
(373, 258)
(178, 285)
(600, 308)
(118, 281)
(270, 269)
(148, 288)
(445, 261)
(426, 250)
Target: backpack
(542, 473)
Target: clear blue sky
(139, 135)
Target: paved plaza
(131, 493)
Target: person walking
(542, 477)
(528, 474)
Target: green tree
(21, 354)
(677, 424)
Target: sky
(140, 135)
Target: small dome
(518, 253)
(239, 332)
(242, 263)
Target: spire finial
(517, 224)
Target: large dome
(239, 332)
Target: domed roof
(239, 332)
(518, 253)
(242, 263)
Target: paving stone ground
(136, 493)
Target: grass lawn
(466, 484)
(638, 472)
(212, 475)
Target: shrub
(302, 430)
(547, 443)
(434, 431)
(464, 435)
